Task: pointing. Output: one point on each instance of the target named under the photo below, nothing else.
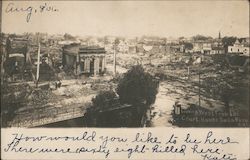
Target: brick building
(88, 60)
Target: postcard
(125, 80)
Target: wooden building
(88, 60)
(16, 53)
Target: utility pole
(38, 64)
(3, 58)
(2, 69)
(115, 44)
(199, 89)
(49, 56)
(114, 61)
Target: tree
(12, 98)
(188, 46)
(116, 43)
(137, 86)
(228, 41)
(181, 39)
(201, 38)
(104, 99)
(69, 37)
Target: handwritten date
(30, 10)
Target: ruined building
(16, 49)
(87, 60)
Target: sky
(130, 18)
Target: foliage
(201, 37)
(137, 86)
(104, 99)
(228, 41)
(181, 38)
(188, 45)
(102, 102)
(108, 112)
(12, 97)
(68, 37)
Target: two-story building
(89, 60)
(239, 48)
(202, 46)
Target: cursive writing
(137, 149)
(212, 140)
(169, 149)
(148, 138)
(107, 139)
(172, 139)
(190, 140)
(207, 147)
(223, 157)
(30, 10)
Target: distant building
(206, 48)
(17, 45)
(139, 48)
(16, 52)
(217, 46)
(89, 60)
(202, 46)
(239, 48)
(172, 40)
(175, 48)
(197, 47)
(132, 49)
(122, 46)
(68, 42)
(217, 50)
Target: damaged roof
(75, 49)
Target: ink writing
(30, 10)
(209, 146)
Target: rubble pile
(24, 93)
(39, 97)
(15, 93)
(71, 90)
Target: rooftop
(75, 49)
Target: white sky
(133, 18)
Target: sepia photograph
(124, 64)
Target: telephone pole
(115, 45)
(114, 61)
(199, 89)
(2, 69)
(38, 64)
